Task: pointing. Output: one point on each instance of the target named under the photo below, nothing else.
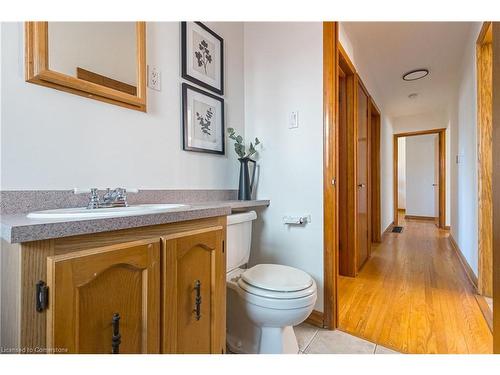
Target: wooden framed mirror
(105, 61)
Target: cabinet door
(87, 288)
(194, 310)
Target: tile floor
(313, 340)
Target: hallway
(414, 296)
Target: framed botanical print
(202, 56)
(203, 121)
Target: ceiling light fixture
(413, 75)
(413, 95)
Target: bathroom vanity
(156, 288)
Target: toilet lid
(276, 277)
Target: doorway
(418, 177)
(430, 202)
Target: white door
(421, 172)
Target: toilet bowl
(265, 301)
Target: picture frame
(202, 121)
(202, 53)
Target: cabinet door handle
(116, 339)
(197, 301)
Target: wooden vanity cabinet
(167, 283)
(105, 300)
(194, 289)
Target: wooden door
(363, 241)
(194, 302)
(87, 288)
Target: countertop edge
(30, 231)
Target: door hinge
(42, 296)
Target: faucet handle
(94, 200)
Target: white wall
(284, 73)
(426, 121)
(55, 140)
(402, 173)
(386, 172)
(464, 221)
(420, 175)
(386, 131)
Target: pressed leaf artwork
(203, 55)
(204, 120)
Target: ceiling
(384, 51)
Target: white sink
(84, 213)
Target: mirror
(100, 60)
(99, 52)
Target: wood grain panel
(74, 243)
(188, 258)
(484, 66)
(88, 287)
(22, 326)
(413, 295)
(33, 268)
(330, 168)
(496, 185)
(347, 166)
(363, 238)
(11, 295)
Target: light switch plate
(154, 78)
(294, 120)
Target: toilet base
(273, 340)
(278, 340)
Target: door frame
(442, 172)
(330, 168)
(484, 68)
(347, 156)
(360, 84)
(496, 185)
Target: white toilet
(264, 302)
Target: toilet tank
(239, 239)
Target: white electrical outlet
(294, 120)
(154, 79)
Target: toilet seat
(277, 277)
(298, 289)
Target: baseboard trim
(387, 230)
(470, 274)
(417, 217)
(485, 309)
(316, 318)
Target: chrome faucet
(112, 198)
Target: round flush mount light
(413, 75)
(413, 95)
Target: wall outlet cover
(154, 78)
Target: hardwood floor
(414, 296)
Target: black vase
(246, 186)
